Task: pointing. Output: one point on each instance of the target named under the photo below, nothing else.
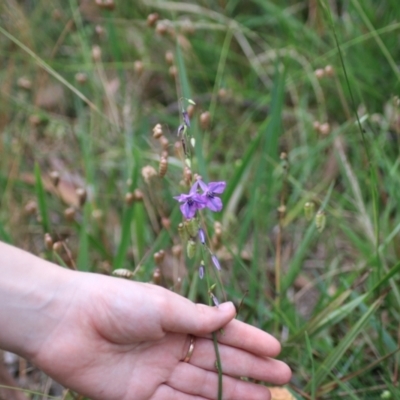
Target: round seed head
(157, 131)
(319, 73)
(48, 241)
(329, 71)
(81, 78)
(129, 198)
(138, 195)
(57, 247)
(31, 207)
(82, 195)
(173, 71)
(24, 83)
(169, 57)
(69, 213)
(152, 19)
(148, 172)
(157, 276)
(55, 178)
(96, 53)
(205, 119)
(138, 67)
(325, 128)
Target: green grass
(331, 297)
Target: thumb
(180, 315)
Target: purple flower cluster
(194, 201)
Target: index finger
(249, 338)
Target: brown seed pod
(96, 53)
(55, 178)
(57, 247)
(138, 67)
(31, 207)
(163, 167)
(157, 131)
(187, 174)
(138, 195)
(106, 4)
(157, 277)
(81, 78)
(122, 273)
(82, 195)
(24, 83)
(161, 28)
(329, 71)
(159, 257)
(319, 73)
(205, 119)
(176, 251)
(316, 125)
(148, 172)
(173, 71)
(152, 19)
(56, 15)
(166, 223)
(48, 241)
(325, 128)
(164, 143)
(69, 213)
(100, 31)
(190, 110)
(129, 198)
(169, 57)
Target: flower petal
(216, 187)
(203, 186)
(187, 210)
(215, 261)
(214, 204)
(194, 188)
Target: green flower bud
(182, 232)
(191, 248)
(320, 221)
(309, 210)
(192, 227)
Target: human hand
(114, 339)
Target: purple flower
(214, 299)
(215, 261)
(186, 119)
(201, 271)
(191, 202)
(202, 236)
(211, 192)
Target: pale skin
(112, 339)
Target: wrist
(31, 290)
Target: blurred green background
(296, 109)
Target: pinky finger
(165, 392)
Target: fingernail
(225, 307)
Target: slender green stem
(219, 365)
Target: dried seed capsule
(129, 198)
(81, 78)
(138, 194)
(173, 71)
(106, 4)
(24, 83)
(148, 172)
(122, 273)
(161, 28)
(157, 276)
(176, 250)
(138, 67)
(190, 110)
(159, 257)
(187, 174)
(164, 143)
(82, 195)
(329, 71)
(205, 119)
(319, 73)
(57, 247)
(309, 209)
(100, 31)
(152, 19)
(166, 223)
(324, 128)
(157, 131)
(191, 248)
(169, 57)
(320, 221)
(163, 167)
(96, 53)
(31, 207)
(69, 213)
(55, 178)
(48, 241)
(316, 125)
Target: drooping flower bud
(202, 236)
(215, 261)
(201, 270)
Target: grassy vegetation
(296, 103)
